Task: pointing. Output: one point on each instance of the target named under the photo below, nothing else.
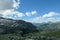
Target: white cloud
(34, 12)
(6, 12)
(31, 13)
(5, 4)
(36, 20)
(50, 14)
(16, 4)
(8, 4)
(28, 14)
(11, 14)
(20, 14)
(7, 8)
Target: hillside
(49, 26)
(16, 26)
(22, 30)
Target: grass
(17, 37)
(54, 34)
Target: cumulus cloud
(20, 14)
(7, 8)
(8, 4)
(31, 13)
(11, 14)
(50, 17)
(16, 4)
(50, 14)
(34, 12)
(36, 20)
(28, 14)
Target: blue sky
(36, 11)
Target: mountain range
(16, 26)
